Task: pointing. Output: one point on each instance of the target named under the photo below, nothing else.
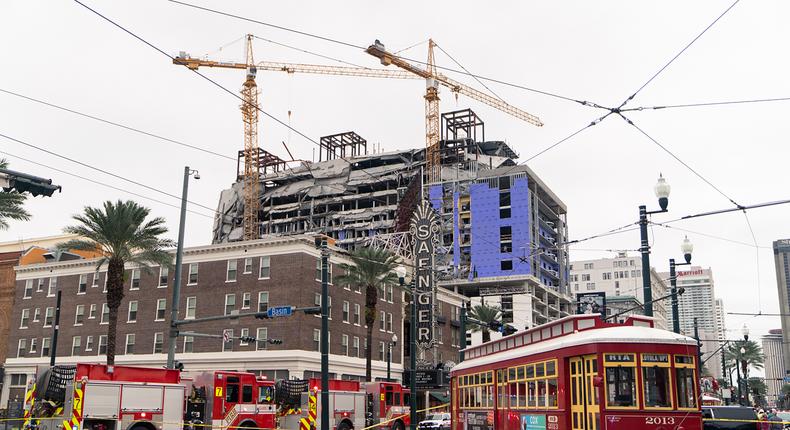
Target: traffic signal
(275, 341)
(315, 310)
(22, 182)
(247, 339)
(495, 325)
(261, 315)
(508, 329)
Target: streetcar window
(530, 372)
(684, 382)
(620, 387)
(656, 384)
(532, 397)
(246, 394)
(539, 370)
(550, 368)
(511, 374)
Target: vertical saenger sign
(425, 235)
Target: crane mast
(433, 164)
(249, 113)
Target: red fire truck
(352, 405)
(100, 397)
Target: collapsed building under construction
(503, 229)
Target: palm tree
(373, 269)
(752, 355)
(11, 204)
(485, 314)
(121, 233)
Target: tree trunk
(371, 298)
(115, 272)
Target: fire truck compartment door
(101, 400)
(174, 408)
(141, 398)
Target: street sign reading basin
(279, 311)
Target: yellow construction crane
(432, 80)
(250, 108)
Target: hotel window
(49, 315)
(102, 344)
(266, 268)
(53, 285)
(246, 300)
(355, 350)
(345, 311)
(191, 308)
(36, 314)
(389, 322)
(357, 312)
(45, 345)
(263, 301)
(132, 317)
(344, 344)
(318, 271)
(506, 265)
(161, 309)
(381, 351)
(130, 338)
(248, 265)
(28, 289)
(21, 348)
(40, 285)
(382, 321)
(232, 271)
(25, 318)
(193, 274)
(261, 336)
(189, 344)
(245, 332)
(83, 284)
(89, 343)
(227, 346)
(105, 314)
(92, 312)
(316, 339)
(79, 315)
(135, 285)
(33, 346)
(159, 341)
(230, 303)
(164, 273)
(76, 342)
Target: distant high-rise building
(782, 260)
(620, 276)
(775, 368)
(697, 301)
(720, 324)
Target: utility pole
(324, 333)
(662, 192)
(463, 333)
(56, 328)
(699, 352)
(173, 335)
(724, 372)
(413, 358)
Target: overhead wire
(117, 124)
(217, 84)
(757, 257)
(3, 151)
(469, 73)
(114, 175)
(706, 104)
(352, 45)
(688, 45)
(326, 57)
(737, 242)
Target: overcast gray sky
(596, 51)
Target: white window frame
(189, 340)
(242, 334)
(102, 321)
(92, 311)
(161, 337)
(390, 294)
(235, 271)
(246, 300)
(80, 283)
(126, 344)
(88, 343)
(166, 274)
(189, 273)
(129, 319)
(268, 266)
(51, 317)
(95, 280)
(355, 346)
(389, 322)
(382, 321)
(28, 293)
(163, 309)
(53, 285)
(357, 314)
(46, 343)
(346, 312)
(262, 294)
(76, 342)
(77, 315)
(225, 308)
(36, 314)
(25, 319)
(21, 348)
(192, 299)
(261, 336)
(100, 344)
(132, 278)
(247, 264)
(227, 346)
(40, 285)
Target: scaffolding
(342, 145)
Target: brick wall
(7, 282)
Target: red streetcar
(579, 373)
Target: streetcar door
(585, 411)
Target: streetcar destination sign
(424, 235)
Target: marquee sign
(425, 236)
